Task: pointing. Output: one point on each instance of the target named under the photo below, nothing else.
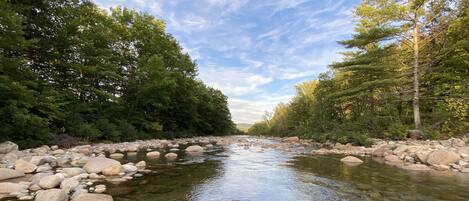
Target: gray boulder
(50, 181)
(442, 157)
(7, 147)
(52, 195)
(98, 164)
(74, 171)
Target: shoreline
(72, 174)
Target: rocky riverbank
(440, 155)
(53, 174)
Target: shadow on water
(376, 181)
(169, 181)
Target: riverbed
(249, 171)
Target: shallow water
(251, 173)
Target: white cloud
(250, 111)
(233, 82)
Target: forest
(71, 71)
(406, 68)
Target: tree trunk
(415, 103)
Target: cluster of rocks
(52, 174)
(441, 155)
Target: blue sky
(255, 51)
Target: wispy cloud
(254, 51)
(233, 82)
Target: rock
(78, 191)
(131, 154)
(141, 165)
(8, 187)
(465, 170)
(37, 177)
(54, 147)
(26, 197)
(74, 171)
(194, 148)
(92, 197)
(291, 139)
(40, 160)
(41, 150)
(6, 173)
(416, 167)
(57, 152)
(50, 181)
(132, 148)
(422, 156)
(100, 188)
(380, 152)
(415, 134)
(401, 149)
(442, 157)
(52, 195)
(34, 187)
(7, 147)
(69, 184)
(44, 168)
(458, 143)
(83, 149)
(440, 167)
(10, 157)
(116, 156)
(129, 168)
(351, 159)
(98, 164)
(171, 156)
(24, 166)
(392, 160)
(113, 170)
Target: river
(252, 173)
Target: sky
(254, 51)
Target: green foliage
(369, 93)
(259, 129)
(397, 131)
(69, 67)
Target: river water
(251, 173)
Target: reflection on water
(252, 173)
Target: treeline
(407, 69)
(69, 68)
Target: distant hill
(243, 126)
